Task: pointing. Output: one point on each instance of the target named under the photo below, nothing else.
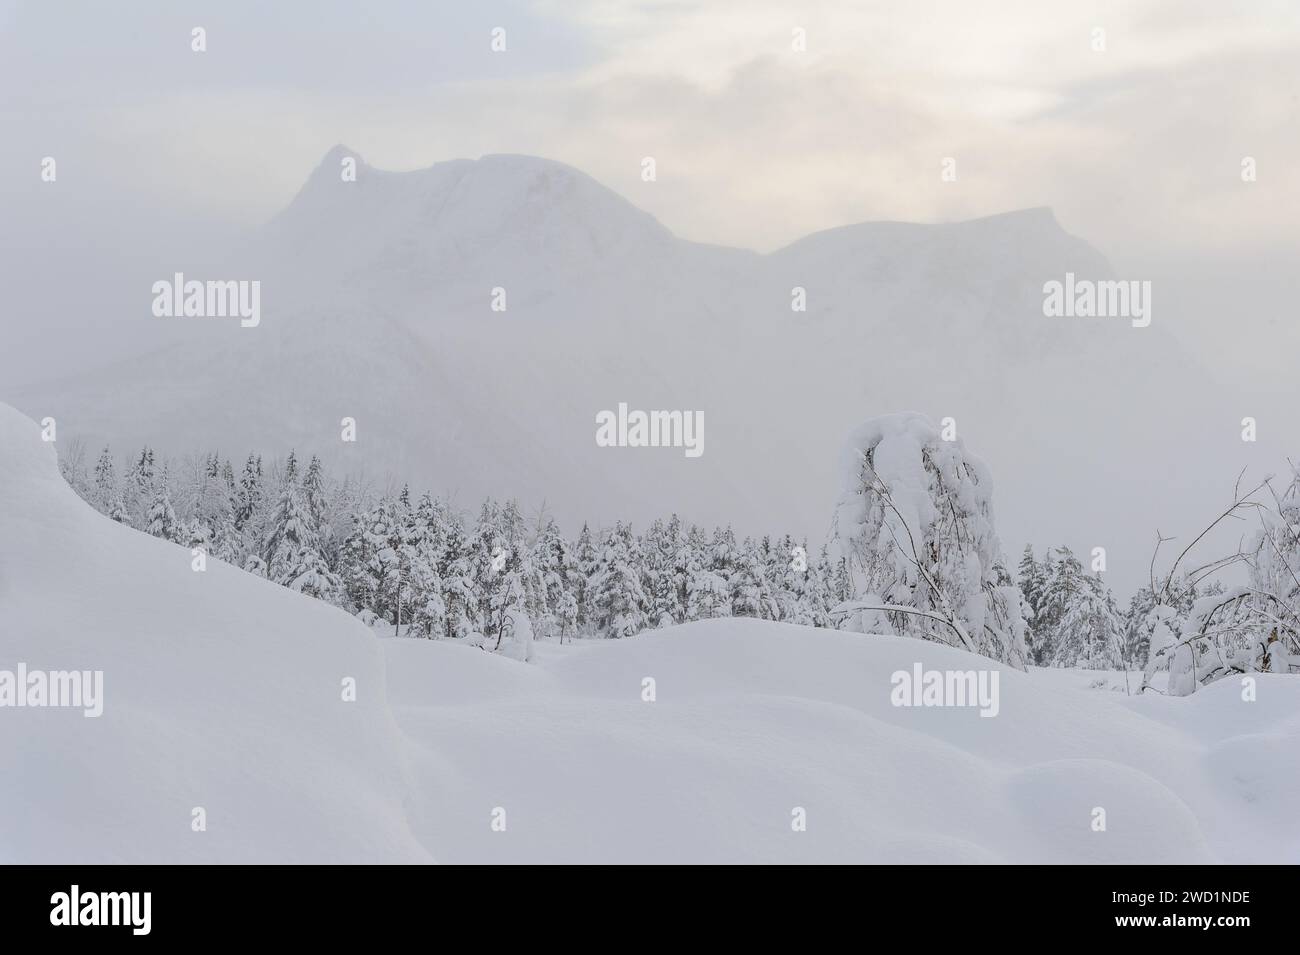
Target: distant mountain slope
(376, 305)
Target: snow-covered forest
(424, 568)
(912, 551)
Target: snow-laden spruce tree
(456, 571)
(374, 578)
(423, 541)
(1087, 627)
(619, 598)
(212, 524)
(106, 490)
(750, 596)
(107, 494)
(914, 524)
(659, 576)
(139, 492)
(798, 591)
(550, 560)
(1033, 580)
(496, 571)
(836, 587)
(291, 550)
(586, 562)
(321, 511)
(707, 595)
(160, 519)
(249, 493)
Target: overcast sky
(1137, 148)
(756, 143)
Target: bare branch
(1238, 501)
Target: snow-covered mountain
(376, 304)
(224, 693)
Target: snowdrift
(222, 691)
(753, 719)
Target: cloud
(1137, 147)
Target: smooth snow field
(225, 693)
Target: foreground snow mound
(752, 721)
(220, 691)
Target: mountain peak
(460, 213)
(331, 165)
(1035, 218)
(339, 152)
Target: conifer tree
(457, 576)
(107, 497)
(140, 492)
(749, 596)
(586, 563)
(161, 518)
(424, 543)
(292, 552)
(620, 601)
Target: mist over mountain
(376, 304)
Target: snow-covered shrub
(1274, 559)
(1245, 628)
(915, 525)
(519, 636)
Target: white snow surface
(223, 691)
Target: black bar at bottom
(335, 904)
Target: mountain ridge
(378, 305)
(326, 174)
